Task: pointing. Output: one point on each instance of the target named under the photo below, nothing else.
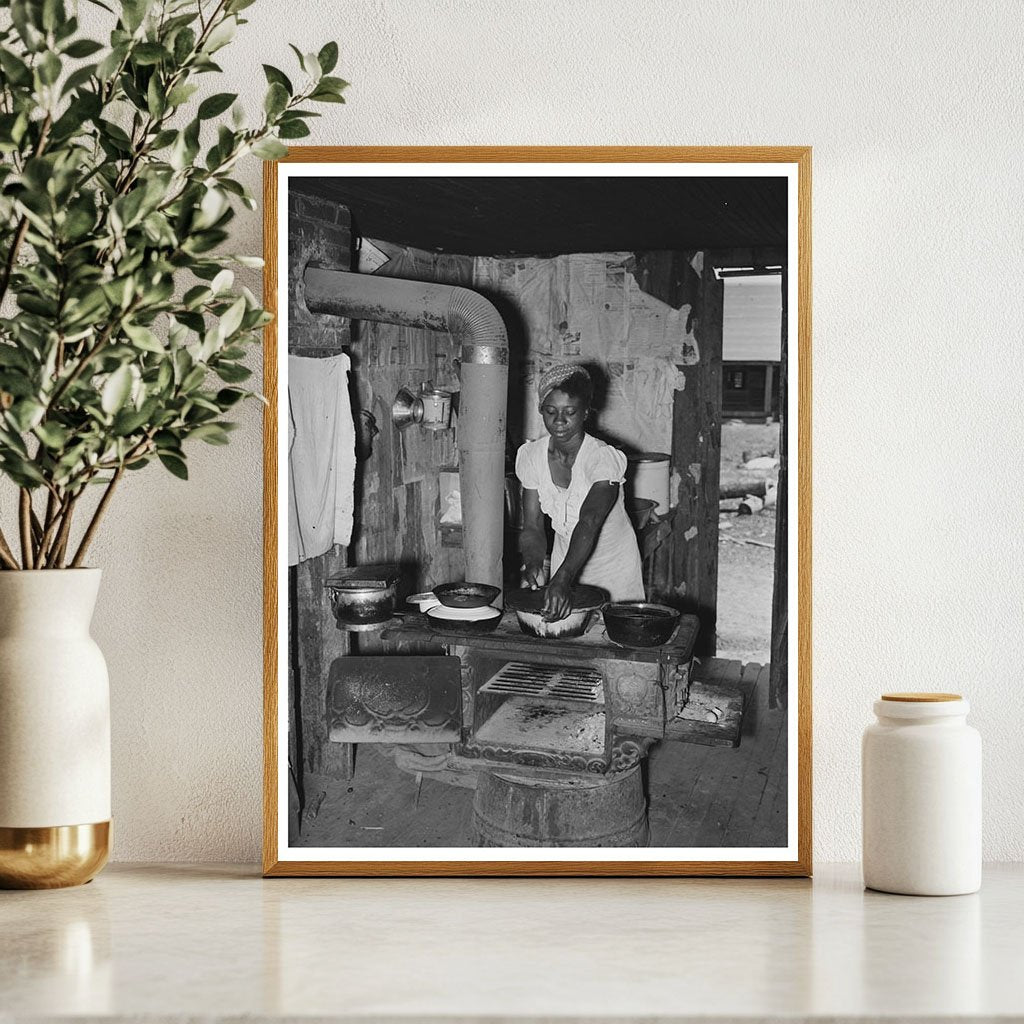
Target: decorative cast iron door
(394, 700)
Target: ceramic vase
(54, 731)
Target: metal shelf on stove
(559, 682)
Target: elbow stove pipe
(477, 327)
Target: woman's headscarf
(558, 374)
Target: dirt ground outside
(746, 550)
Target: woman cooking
(576, 481)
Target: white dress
(614, 564)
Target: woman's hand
(534, 576)
(557, 601)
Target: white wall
(914, 113)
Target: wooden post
(696, 458)
(769, 373)
(777, 689)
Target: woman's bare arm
(533, 542)
(594, 511)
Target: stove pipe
(478, 328)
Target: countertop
(176, 942)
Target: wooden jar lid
(921, 698)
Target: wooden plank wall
(319, 232)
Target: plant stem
(54, 509)
(94, 523)
(60, 544)
(25, 523)
(6, 554)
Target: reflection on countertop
(178, 941)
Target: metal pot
(363, 595)
(362, 605)
(640, 623)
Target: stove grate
(559, 681)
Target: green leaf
(116, 390)
(156, 101)
(53, 435)
(326, 96)
(293, 130)
(144, 338)
(53, 14)
(211, 433)
(109, 65)
(149, 53)
(16, 70)
(275, 76)
(334, 84)
(184, 44)
(25, 17)
(221, 35)
(26, 414)
(78, 78)
(232, 319)
(232, 373)
(193, 379)
(269, 149)
(83, 48)
(227, 397)
(129, 421)
(328, 57)
(133, 12)
(175, 465)
(21, 471)
(214, 105)
(181, 94)
(276, 100)
(311, 65)
(163, 139)
(222, 281)
(254, 262)
(49, 68)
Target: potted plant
(122, 340)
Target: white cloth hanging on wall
(321, 456)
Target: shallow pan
(466, 595)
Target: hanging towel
(321, 456)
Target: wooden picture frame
(791, 596)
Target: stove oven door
(403, 699)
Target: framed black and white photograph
(537, 512)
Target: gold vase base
(52, 857)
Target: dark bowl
(460, 626)
(639, 623)
(466, 595)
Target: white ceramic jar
(921, 779)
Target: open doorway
(750, 460)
